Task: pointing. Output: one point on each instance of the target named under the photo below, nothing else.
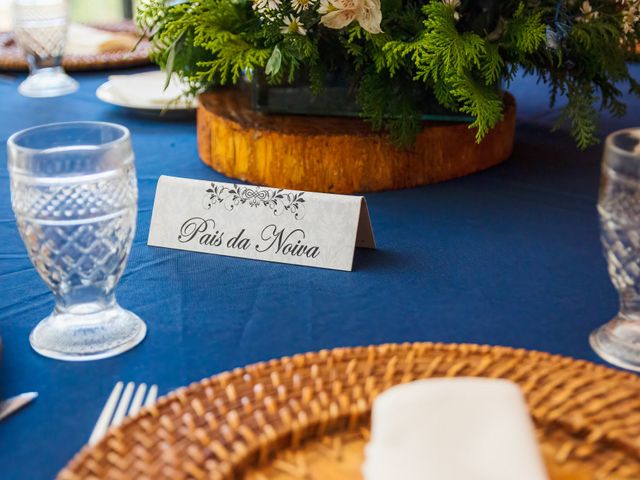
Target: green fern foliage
(458, 53)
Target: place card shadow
(376, 259)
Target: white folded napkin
(453, 429)
(146, 90)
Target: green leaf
(169, 66)
(274, 62)
(171, 59)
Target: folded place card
(276, 225)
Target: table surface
(509, 256)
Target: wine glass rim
(609, 142)
(126, 134)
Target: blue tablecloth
(509, 256)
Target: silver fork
(114, 410)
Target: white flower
(300, 5)
(338, 14)
(265, 5)
(455, 4)
(630, 15)
(588, 13)
(292, 24)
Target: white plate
(107, 94)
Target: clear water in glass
(74, 194)
(618, 341)
(40, 27)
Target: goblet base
(48, 82)
(618, 342)
(77, 336)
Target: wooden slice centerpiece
(337, 154)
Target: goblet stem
(47, 81)
(630, 305)
(37, 63)
(81, 303)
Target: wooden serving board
(337, 154)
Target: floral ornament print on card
(279, 201)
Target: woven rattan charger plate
(307, 416)
(12, 58)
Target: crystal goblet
(74, 195)
(40, 28)
(618, 341)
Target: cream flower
(338, 14)
(292, 24)
(588, 13)
(455, 4)
(300, 5)
(630, 16)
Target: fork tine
(151, 396)
(122, 406)
(136, 403)
(105, 416)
